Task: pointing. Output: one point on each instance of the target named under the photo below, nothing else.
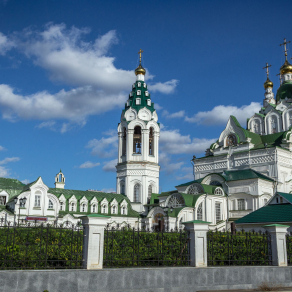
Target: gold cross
(267, 67)
(140, 53)
(285, 48)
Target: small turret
(140, 71)
(60, 180)
(268, 85)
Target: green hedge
(124, 248)
(242, 248)
(40, 247)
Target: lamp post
(22, 202)
(166, 210)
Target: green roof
(164, 194)
(285, 90)
(90, 195)
(288, 197)
(244, 174)
(12, 186)
(269, 214)
(143, 97)
(190, 182)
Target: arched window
(122, 188)
(124, 143)
(231, 140)
(61, 206)
(104, 208)
(195, 189)
(83, 207)
(72, 206)
(137, 193)
(123, 210)
(218, 191)
(93, 208)
(215, 183)
(137, 140)
(175, 201)
(51, 205)
(200, 212)
(114, 209)
(273, 122)
(151, 141)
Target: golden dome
(286, 68)
(268, 83)
(140, 70)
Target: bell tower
(60, 180)
(138, 130)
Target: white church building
(240, 173)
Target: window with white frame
(51, 205)
(131, 93)
(104, 209)
(114, 210)
(240, 204)
(138, 92)
(195, 189)
(200, 212)
(72, 207)
(37, 201)
(83, 207)
(139, 84)
(133, 86)
(138, 101)
(122, 187)
(219, 192)
(218, 211)
(146, 93)
(137, 193)
(61, 206)
(123, 210)
(149, 102)
(2, 200)
(93, 208)
(144, 85)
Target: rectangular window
(37, 201)
(2, 200)
(138, 92)
(149, 102)
(146, 93)
(218, 211)
(61, 206)
(138, 101)
(240, 204)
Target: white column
(93, 241)
(145, 144)
(120, 147)
(198, 242)
(129, 153)
(156, 144)
(278, 241)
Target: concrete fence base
(177, 279)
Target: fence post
(93, 240)
(278, 243)
(198, 242)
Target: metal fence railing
(130, 247)
(34, 245)
(240, 248)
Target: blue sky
(66, 69)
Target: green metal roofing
(288, 197)
(285, 90)
(269, 214)
(143, 97)
(164, 194)
(190, 183)
(244, 174)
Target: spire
(286, 67)
(268, 82)
(140, 71)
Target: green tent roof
(273, 213)
(244, 174)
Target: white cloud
(68, 58)
(171, 141)
(166, 164)
(166, 87)
(108, 190)
(4, 172)
(2, 148)
(9, 159)
(157, 106)
(188, 176)
(104, 147)
(179, 114)
(89, 164)
(5, 44)
(48, 124)
(110, 166)
(25, 181)
(220, 114)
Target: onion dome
(286, 68)
(268, 83)
(284, 91)
(140, 70)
